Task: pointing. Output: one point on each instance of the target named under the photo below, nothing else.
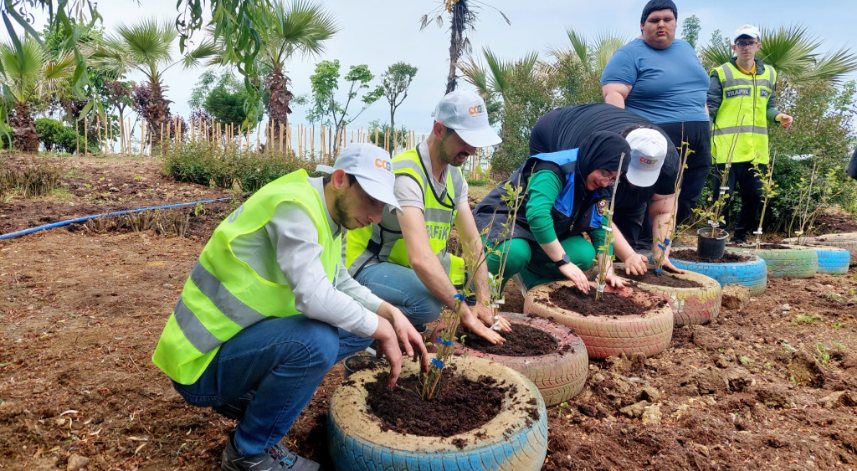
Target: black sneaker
(739, 239)
(277, 457)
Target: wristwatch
(564, 260)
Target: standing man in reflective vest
(403, 258)
(267, 309)
(741, 101)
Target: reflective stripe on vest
(384, 241)
(224, 295)
(741, 120)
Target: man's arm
(660, 211)
(615, 93)
(429, 269)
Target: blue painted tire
(847, 241)
(832, 260)
(513, 440)
(753, 273)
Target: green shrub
(57, 137)
(208, 164)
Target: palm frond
(22, 72)
(580, 48)
(475, 74)
(790, 50)
(606, 44)
(833, 66)
(147, 41)
(714, 55)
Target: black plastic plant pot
(711, 247)
(363, 362)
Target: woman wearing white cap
(258, 323)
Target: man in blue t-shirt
(660, 78)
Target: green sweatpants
(534, 265)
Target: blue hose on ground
(94, 216)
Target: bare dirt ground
(768, 387)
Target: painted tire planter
(606, 336)
(512, 440)
(690, 305)
(560, 375)
(832, 260)
(797, 261)
(753, 273)
(847, 241)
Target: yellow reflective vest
(384, 242)
(741, 120)
(224, 295)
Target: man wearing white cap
(260, 319)
(741, 101)
(402, 258)
(645, 197)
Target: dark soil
(364, 362)
(834, 224)
(763, 246)
(463, 404)
(690, 255)
(522, 341)
(663, 279)
(81, 312)
(572, 299)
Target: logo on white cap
(648, 151)
(371, 166)
(465, 112)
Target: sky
(381, 32)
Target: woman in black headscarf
(566, 193)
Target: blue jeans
(266, 375)
(400, 287)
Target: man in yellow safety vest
(403, 257)
(741, 101)
(269, 306)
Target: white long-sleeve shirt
(286, 251)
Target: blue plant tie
(459, 297)
(441, 341)
(666, 242)
(661, 247)
(658, 270)
(437, 363)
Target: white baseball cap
(373, 169)
(747, 30)
(465, 112)
(648, 152)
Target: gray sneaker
(277, 457)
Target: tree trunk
(158, 109)
(278, 106)
(456, 41)
(24, 135)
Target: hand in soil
(635, 264)
(469, 320)
(668, 265)
(388, 345)
(486, 315)
(573, 273)
(409, 338)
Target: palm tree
(494, 79)
(462, 19)
(792, 51)
(592, 55)
(147, 46)
(300, 27)
(30, 77)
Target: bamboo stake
(281, 137)
(151, 140)
(142, 137)
(162, 139)
(312, 141)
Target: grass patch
(807, 319)
(31, 178)
(207, 163)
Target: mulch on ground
(572, 299)
(690, 255)
(662, 279)
(522, 341)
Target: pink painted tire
(690, 306)
(604, 336)
(559, 375)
